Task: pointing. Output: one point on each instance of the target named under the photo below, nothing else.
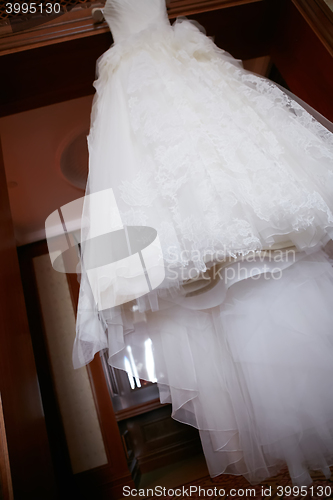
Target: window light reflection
(150, 360)
(129, 373)
(134, 370)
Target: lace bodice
(127, 17)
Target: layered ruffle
(252, 373)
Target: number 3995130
(32, 8)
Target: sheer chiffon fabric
(222, 163)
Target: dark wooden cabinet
(150, 436)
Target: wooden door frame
(28, 446)
(6, 483)
(107, 481)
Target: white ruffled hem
(253, 373)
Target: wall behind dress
(74, 393)
(303, 60)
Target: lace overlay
(220, 162)
(225, 157)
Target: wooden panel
(6, 485)
(29, 455)
(188, 7)
(303, 60)
(244, 31)
(320, 17)
(48, 75)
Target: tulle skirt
(253, 372)
(219, 162)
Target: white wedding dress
(222, 164)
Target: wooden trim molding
(72, 25)
(139, 409)
(5, 475)
(78, 23)
(189, 7)
(320, 17)
(302, 59)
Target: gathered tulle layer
(222, 164)
(252, 373)
(216, 159)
